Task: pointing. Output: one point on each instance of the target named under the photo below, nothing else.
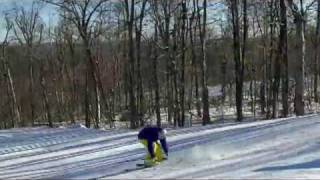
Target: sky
(47, 13)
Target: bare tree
(129, 9)
(43, 83)
(195, 65)
(270, 29)
(283, 52)
(262, 30)
(183, 60)
(65, 81)
(155, 56)
(316, 55)
(167, 9)
(277, 62)
(139, 30)
(16, 120)
(244, 46)
(237, 56)
(88, 17)
(28, 30)
(203, 64)
(300, 14)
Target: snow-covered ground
(283, 148)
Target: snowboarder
(150, 137)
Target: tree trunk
(203, 64)
(244, 44)
(300, 46)
(183, 62)
(140, 98)
(45, 97)
(237, 57)
(31, 86)
(284, 57)
(87, 106)
(276, 84)
(193, 30)
(170, 83)
(264, 82)
(72, 82)
(91, 64)
(316, 56)
(175, 86)
(299, 75)
(131, 55)
(277, 71)
(11, 88)
(224, 78)
(198, 102)
(155, 75)
(270, 60)
(72, 91)
(97, 108)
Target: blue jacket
(151, 134)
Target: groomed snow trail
(283, 148)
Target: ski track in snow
(282, 148)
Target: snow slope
(283, 148)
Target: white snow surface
(283, 148)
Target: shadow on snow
(315, 164)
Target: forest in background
(140, 59)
